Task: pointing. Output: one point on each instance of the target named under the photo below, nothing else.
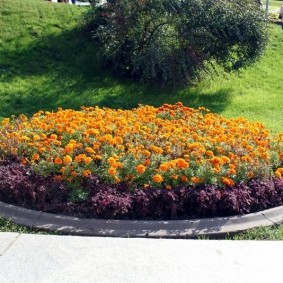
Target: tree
(168, 41)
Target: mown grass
(10, 226)
(273, 4)
(261, 233)
(48, 60)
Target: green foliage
(78, 194)
(169, 41)
(261, 233)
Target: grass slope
(273, 4)
(47, 60)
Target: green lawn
(10, 226)
(47, 60)
(273, 4)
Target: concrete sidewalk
(46, 258)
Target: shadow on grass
(63, 70)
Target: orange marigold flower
(112, 171)
(196, 180)
(69, 148)
(156, 149)
(89, 150)
(216, 169)
(209, 153)
(250, 174)
(216, 160)
(79, 158)
(74, 174)
(157, 178)
(147, 153)
(119, 140)
(227, 181)
(168, 187)
(265, 155)
(58, 178)
(86, 173)
(87, 160)
(182, 163)
(111, 160)
(174, 176)
(164, 167)
(58, 161)
(140, 168)
(225, 159)
(24, 161)
(117, 180)
(147, 162)
(5, 121)
(279, 173)
(35, 157)
(246, 158)
(67, 159)
(53, 137)
(184, 179)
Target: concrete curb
(211, 227)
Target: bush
(169, 41)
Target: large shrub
(168, 41)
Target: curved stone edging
(213, 227)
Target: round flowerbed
(146, 163)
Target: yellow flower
(111, 161)
(67, 159)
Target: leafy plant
(169, 41)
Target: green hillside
(47, 60)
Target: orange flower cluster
(163, 147)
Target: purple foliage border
(21, 187)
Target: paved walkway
(45, 258)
